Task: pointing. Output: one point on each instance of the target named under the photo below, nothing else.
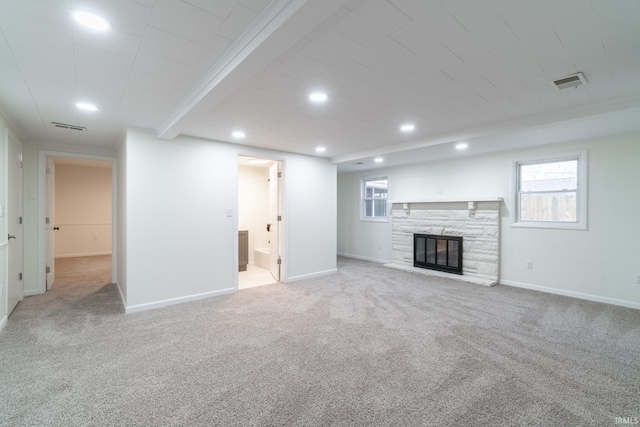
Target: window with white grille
(373, 202)
(551, 192)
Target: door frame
(50, 198)
(283, 232)
(278, 208)
(43, 239)
(7, 140)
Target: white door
(274, 213)
(15, 291)
(50, 226)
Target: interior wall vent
(70, 127)
(574, 80)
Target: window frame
(581, 190)
(362, 217)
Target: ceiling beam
(282, 24)
(495, 129)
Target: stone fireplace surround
(477, 220)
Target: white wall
(179, 240)
(600, 263)
(82, 210)
(310, 208)
(180, 245)
(253, 206)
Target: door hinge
(279, 174)
(20, 220)
(279, 260)
(46, 221)
(48, 269)
(48, 171)
(20, 276)
(279, 217)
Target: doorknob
(56, 228)
(11, 236)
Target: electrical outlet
(380, 247)
(529, 264)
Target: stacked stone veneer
(479, 228)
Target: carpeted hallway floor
(80, 271)
(367, 346)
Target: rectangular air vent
(66, 126)
(567, 82)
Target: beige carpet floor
(368, 346)
(81, 271)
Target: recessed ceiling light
(461, 146)
(318, 97)
(258, 161)
(92, 21)
(86, 107)
(378, 160)
(238, 134)
(321, 149)
(407, 127)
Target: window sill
(363, 219)
(551, 225)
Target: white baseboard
(32, 292)
(3, 322)
(573, 294)
(83, 254)
(180, 300)
(365, 258)
(310, 276)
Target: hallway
(81, 284)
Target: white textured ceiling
(474, 70)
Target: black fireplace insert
(442, 253)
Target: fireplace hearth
(442, 253)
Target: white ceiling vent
(69, 127)
(574, 80)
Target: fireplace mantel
(456, 200)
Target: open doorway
(79, 222)
(259, 221)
